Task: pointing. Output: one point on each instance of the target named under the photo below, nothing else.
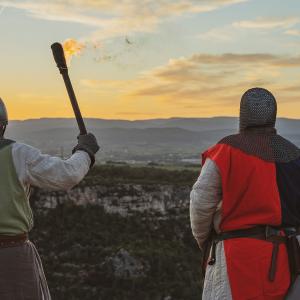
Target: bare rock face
(121, 198)
(122, 265)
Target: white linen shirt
(49, 172)
(206, 202)
(205, 213)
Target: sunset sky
(144, 59)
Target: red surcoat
(250, 197)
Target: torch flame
(71, 48)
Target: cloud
(55, 11)
(112, 18)
(2, 8)
(236, 29)
(220, 78)
(267, 23)
(204, 76)
(291, 88)
(203, 84)
(222, 34)
(105, 84)
(246, 59)
(293, 32)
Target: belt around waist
(266, 233)
(13, 240)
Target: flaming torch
(72, 48)
(59, 57)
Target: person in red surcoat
(245, 204)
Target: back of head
(258, 136)
(3, 118)
(258, 109)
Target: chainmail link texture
(258, 108)
(269, 147)
(257, 134)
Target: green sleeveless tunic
(15, 212)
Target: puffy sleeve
(49, 172)
(204, 199)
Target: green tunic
(15, 212)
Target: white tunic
(205, 209)
(36, 169)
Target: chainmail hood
(258, 108)
(3, 113)
(257, 134)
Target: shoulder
(217, 151)
(5, 142)
(230, 138)
(24, 147)
(24, 151)
(209, 167)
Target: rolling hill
(143, 140)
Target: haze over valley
(171, 140)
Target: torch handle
(59, 57)
(74, 102)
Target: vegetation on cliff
(89, 254)
(129, 174)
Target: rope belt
(265, 233)
(13, 241)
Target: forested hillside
(91, 254)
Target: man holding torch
(22, 166)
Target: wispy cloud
(293, 32)
(234, 30)
(291, 88)
(107, 86)
(112, 18)
(211, 81)
(267, 23)
(222, 34)
(206, 83)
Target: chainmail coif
(257, 134)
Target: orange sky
(140, 60)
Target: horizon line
(135, 120)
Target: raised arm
(49, 172)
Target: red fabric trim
(249, 188)
(250, 197)
(248, 261)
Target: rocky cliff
(122, 234)
(121, 198)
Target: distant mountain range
(171, 139)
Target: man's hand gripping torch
(86, 141)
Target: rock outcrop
(120, 198)
(125, 266)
